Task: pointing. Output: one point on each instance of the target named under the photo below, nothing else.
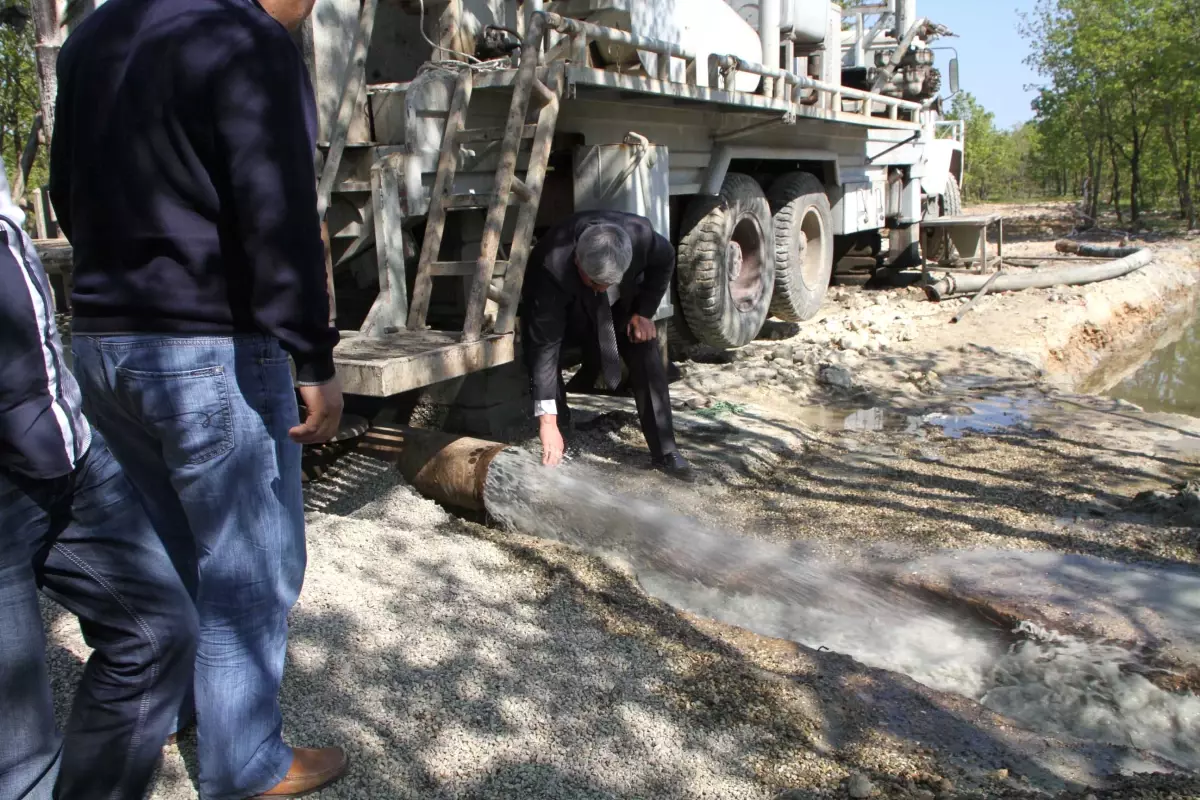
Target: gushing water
(1048, 682)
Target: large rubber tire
(725, 273)
(803, 245)
(949, 205)
(952, 200)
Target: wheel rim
(810, 248)
(744, 264)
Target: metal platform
(969, 235)
(400, 362)
(623, 88)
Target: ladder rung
(460, 201)
(492, 134)
(545, 94)
(464, 269)
(523, 192)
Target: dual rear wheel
(746, 254)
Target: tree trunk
(1116, 181)
(49, 40)
(1135, 179)
(1097, 173)
(1181, 163)
(26, 161)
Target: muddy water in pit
(1170, 379)
(1046, 682)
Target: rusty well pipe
(444, 467)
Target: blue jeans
(84, 541)
(200, 424)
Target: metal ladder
(528, 89)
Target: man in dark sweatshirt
(182, 172)
(71, 526)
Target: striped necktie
(610, 357)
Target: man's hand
(324, 404)
(641, 329)
(552, 440)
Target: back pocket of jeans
(187, 412)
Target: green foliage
(1117, 112)
(721, 408)
(999, 163)
(19, 99)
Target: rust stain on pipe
(444, 467)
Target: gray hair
(604, 252)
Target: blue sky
(991, 52)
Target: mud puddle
(989, 414)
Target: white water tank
(701, 26)
(807, 20)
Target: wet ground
(959, 463)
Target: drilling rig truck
(766, 139)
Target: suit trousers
(647, 376)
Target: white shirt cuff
(541, 407)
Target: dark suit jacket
(553, 290)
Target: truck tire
(725, 273)
(803, 245)
(949, 205)
(679, 335)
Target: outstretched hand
(552, 441)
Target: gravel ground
(454, 660)
(457, 661)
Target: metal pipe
(856, 94)
(735, 64)
(975, 300)
(906, 13)
(441, 466)
(602, 34)
(768, 31)
(1041, 278)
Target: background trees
(1000, 163)
(19, 97)
(1115, 121)
(1116, 116)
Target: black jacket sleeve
(265, 120)
(546, 325)
(656, 278)
(60, 154)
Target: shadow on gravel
(450, 667)
(588, 689)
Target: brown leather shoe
(312, 770)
